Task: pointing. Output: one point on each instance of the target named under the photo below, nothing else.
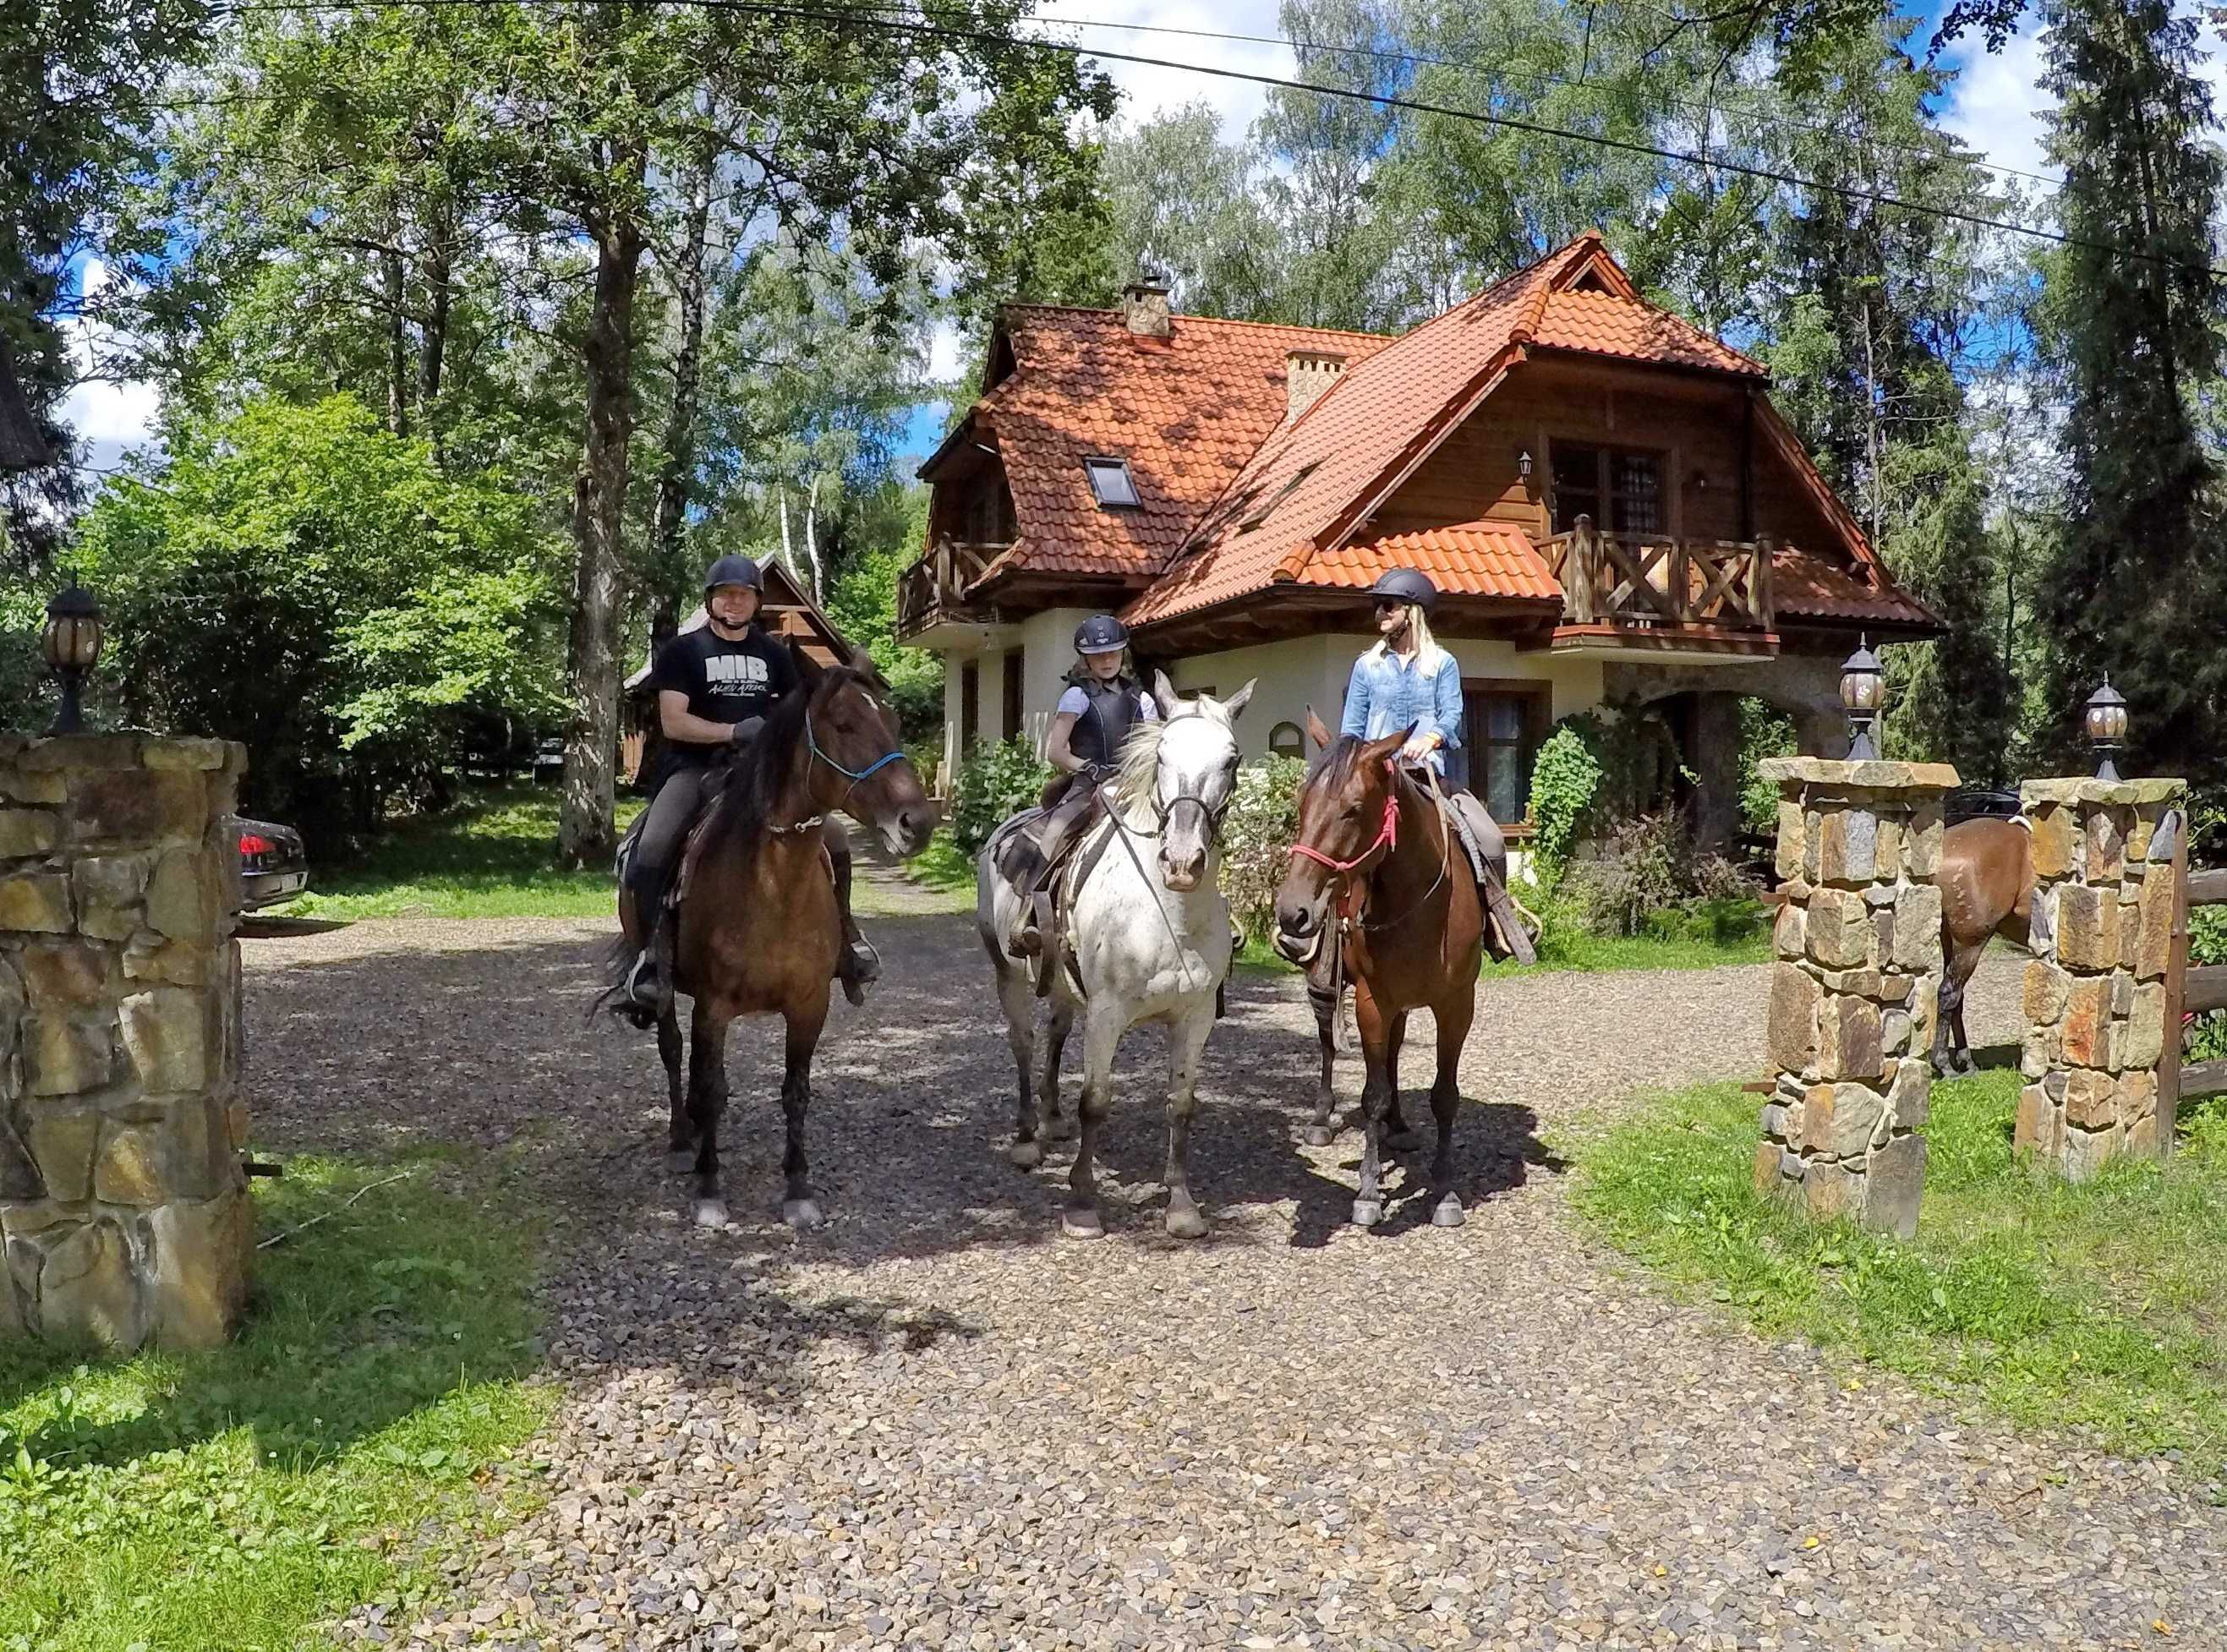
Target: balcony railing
(1647, 580)
(935, 588)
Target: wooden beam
(2203, 990)
(2169, 1076)
(2200, 1079)
(2207, 888)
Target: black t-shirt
(725, 682)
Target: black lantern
(1523, 464)
(2105, 722)
(71, 643)
(1863, 690)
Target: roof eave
(1754, 373)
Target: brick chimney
(1307, 373)
(1145, 305)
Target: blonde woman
(1407, 678)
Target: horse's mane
(1338, 753)
(1140, 760)
(754, 781)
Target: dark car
(1980, 802)
(272, 867)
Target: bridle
(1212, 816)
(1388, 835)
(854, 775)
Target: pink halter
(1388, 835)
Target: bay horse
(1148, 939)
(758, 931)
(1376, 873)
(1987, 889)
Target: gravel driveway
(934, 1423)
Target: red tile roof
(1811, 587)
(1602, 323)
(1186, 411)
(1468, 559)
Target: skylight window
(1111, 484)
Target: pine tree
(2136, 588)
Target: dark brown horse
(758, 931)
(1987, 889)
(1376, 872)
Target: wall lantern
(1523, 464)
(2106, 721)
(71, 643)
(1863, 690)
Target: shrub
(1563, 781)
(1256, 840)
(1765, 732)
(1646, 869)
(993, 782)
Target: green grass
(2102, 1306)
(232, 1499)
(942, 866)
(490, 857)
(1727, 933)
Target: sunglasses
(1390, 605)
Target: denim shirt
(1386, 693)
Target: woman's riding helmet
(1406, 585)
(1100, 634)
(734, 570)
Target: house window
(1011, 721)
(1110, 483)
(1628, 482)
(970, 705)
(1285, 740)
(1504, 725)
(990, 512)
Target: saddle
(1506, 935)
(1051, 880)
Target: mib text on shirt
(735, 673)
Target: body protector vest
(1099, 733)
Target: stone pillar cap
(1878, 775)
(2087, 788)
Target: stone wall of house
(1853, 992)
(2102, 937)
(122, 1205)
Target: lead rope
(1114, 814)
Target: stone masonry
(2102, 937)
(124, 1207)
(1853, 991)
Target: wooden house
(1607, 499)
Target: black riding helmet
(1406, 585)
(1100, 634)
(734, 570)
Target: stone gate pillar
(2102, 938)
(1853, 992)
(123, 1206)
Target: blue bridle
(854, 775)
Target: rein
(1387, 835)
(1387, 838)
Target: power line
(1413, 105)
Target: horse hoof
(711, 1213)
(1366, 1213)
(1025, 1155)
(803, 1215)
(1404, 1140)
(1448, 1213)
(681, 1160)
(1186, 1222)
(1081, 1224)
(1318, 1135)
(1060, 1127)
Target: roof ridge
(1217, 321)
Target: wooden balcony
(933, 591)
(1651, 591)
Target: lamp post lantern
(71, 643)
(2105, 720)
(1863, 690)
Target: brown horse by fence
(1376, 872)
(758, 931)
(1987, 889)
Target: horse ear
(808, 670)
(1315, 733)
(1384, 750)
(1163, 693)
(1236, 702)
(861, 662)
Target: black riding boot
(643, 990)
(859, 965)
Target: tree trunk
(433, 349)
(677, 466)
(398, 344)
(584, 834)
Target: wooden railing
(935, 587)
(2189, 992)
(1652, 579)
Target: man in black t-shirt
(715, 686)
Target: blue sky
(1995, 106)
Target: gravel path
(935, 1424)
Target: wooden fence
(2189, 992)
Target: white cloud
(111, 416)
(1996, 105)
(946, 353)
(1148, 89)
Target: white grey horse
(1148, 934)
